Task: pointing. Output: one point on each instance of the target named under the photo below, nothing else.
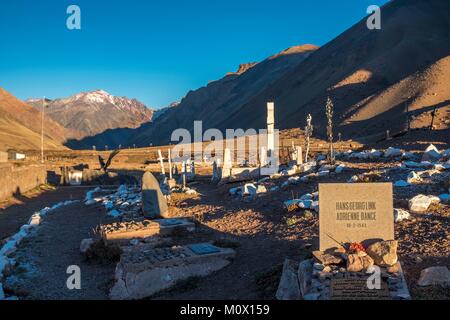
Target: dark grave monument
(154, 204)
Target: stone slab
(143, 272)
(154, 204)
(289, 288)
(356, 289)
(160, 227)
(361, 212)
(244, 174)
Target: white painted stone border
(11, 244)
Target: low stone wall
(17, 180)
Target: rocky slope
(223, 98)
(372, 76)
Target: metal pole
(42, 130)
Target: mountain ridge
(91, 113)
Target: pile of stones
(125, 200)
(126, 226)
(317, 278)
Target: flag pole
(42, 130)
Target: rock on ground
(400, 215)
(434, 276)
(384, 253)
(289, 288)
(305, 276)
(420, 203)
(357, 263)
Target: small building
(3, 157)
(75, 178)
(14, 155)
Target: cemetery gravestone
(154, 203)
(299, 155)
(216, 174)
(355, 213)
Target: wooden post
(407, 117)
(433, 115)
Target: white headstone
(227, 164)
(299, 154)
(263, 157)
(270, 127)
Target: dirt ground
(16, 211)
(43, 257)
(260, 229)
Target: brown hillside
(20, 126)
(370, 75)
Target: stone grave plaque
(170, 222)
(357, 289)
(204, 248)
(358, 212)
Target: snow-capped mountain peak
(97, 96)
(96, 111)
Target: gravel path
(43, 258)
(17, 211)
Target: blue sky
(155, 51)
